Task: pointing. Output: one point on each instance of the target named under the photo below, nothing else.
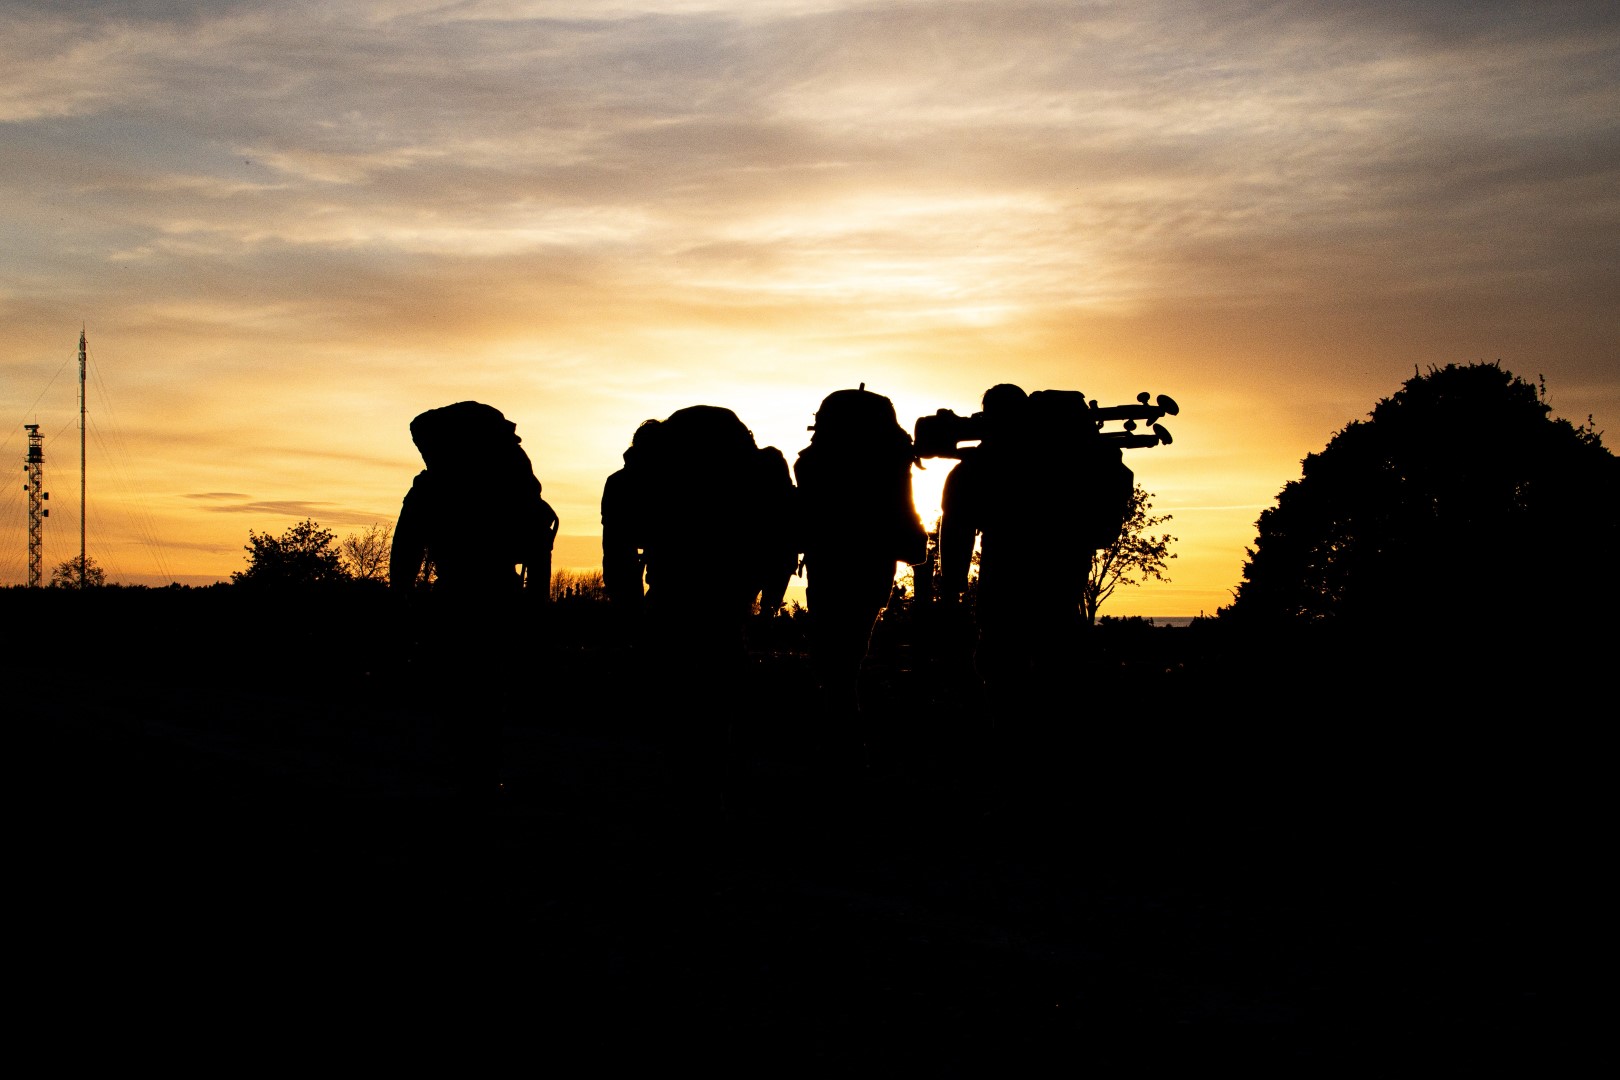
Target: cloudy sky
(288, 227)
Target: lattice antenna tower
(37, 496)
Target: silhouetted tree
(1135, 557)
(365, 554)
(303, 555)
(1459, 498)
(67, 575)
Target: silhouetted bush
(304, 555)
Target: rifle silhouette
(1162, 406)
(942, 434)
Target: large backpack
(710, 508)
(476, 510)
(1097, 484)
(854, 481)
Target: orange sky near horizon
(289, 228)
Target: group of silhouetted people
(702, 527)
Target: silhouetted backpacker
(475, 513)
(474, 518)
(858, 520)
(1043, 490)
(710, 514)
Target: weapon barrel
(1129, 439)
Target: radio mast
(36, 501)
(84, 509)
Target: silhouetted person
(1034, 491)
(474, 518)
(710, 513)
(858, 520)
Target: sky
(286, 228)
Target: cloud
(621, 139)
(321, 513)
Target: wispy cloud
(320, 512)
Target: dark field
(1218, 848)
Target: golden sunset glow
(289, 228)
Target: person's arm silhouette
(957, 529)
(410, 547)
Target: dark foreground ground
(239, 845)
